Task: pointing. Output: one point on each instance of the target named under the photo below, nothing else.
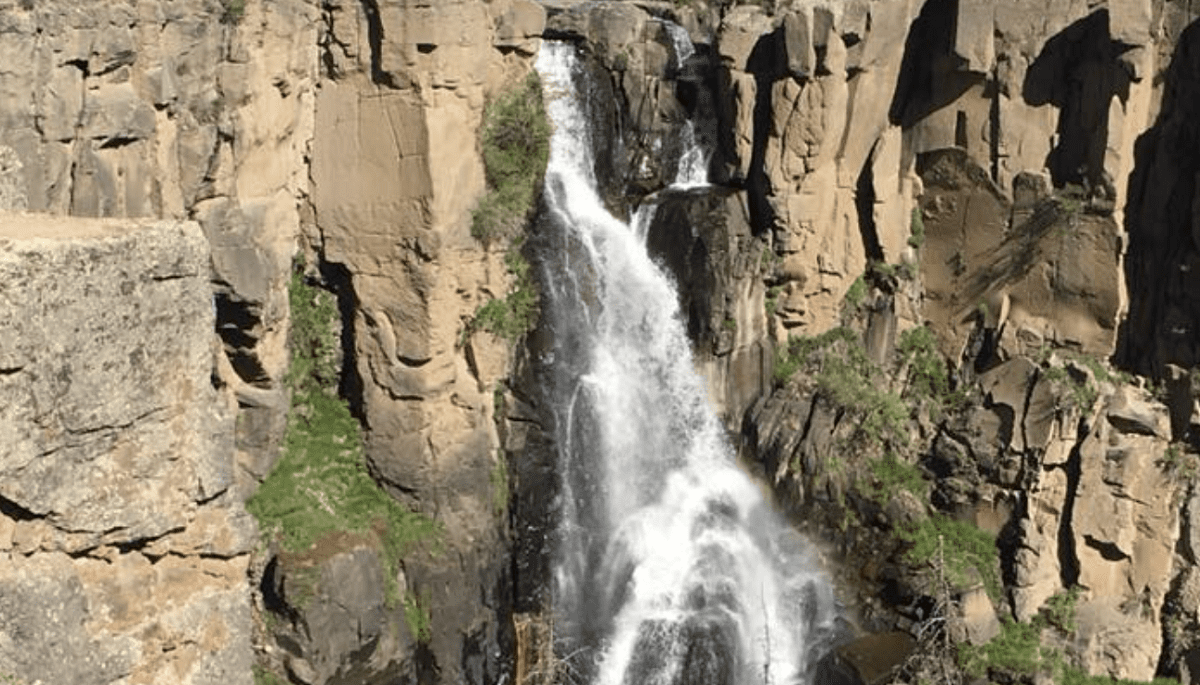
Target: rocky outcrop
(395, 172)
(1042, 272)
(703, 238)
(176, 110)
(123, 550)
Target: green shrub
(234, 11)
(1059, 609)
(916, 228)
(1079, 392)
(771, 301)
(846, 378)
(499, 480)
(1017, 649)
(856, 294)
(964, 547)
(263, 676)
(927, 375)
(509, 317)
(516, 147)
(320, 484)
(893, 475)
(1070, 199)
(1178, 463)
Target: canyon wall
(1015, 179)
(1018, 177)
(123, 546)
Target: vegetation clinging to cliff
(516, 148)
(510, 316)
(320, 486)
(846, 377)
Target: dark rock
(869, 660)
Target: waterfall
(692, 171)
(670, 565)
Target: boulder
(868, 660)
(123, 557)
(1131, 411)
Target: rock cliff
(1015, 179)
(124, 547)
(994, 176)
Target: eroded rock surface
(123, 552)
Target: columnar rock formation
(1019, 176)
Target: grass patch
(1017, 653)
(964, 547)
(509, 317)
(264, 676)
(1070, 199)
(234, 10)
(1017, 649)
(1078, 391)
(320, 485)
(1178, 463)
(516, 147)
(893, 475)
(416, 614)
(1059, 610)
(771, 301)
(499, 480)
(848, 379)
(927, 376)
(856, 294)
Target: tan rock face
(164, 110)
(126, 554)
(1054, 278)
(395, 171)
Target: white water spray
(692, 171)
(670, 567)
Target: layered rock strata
(123, 549)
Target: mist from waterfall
(670, 566)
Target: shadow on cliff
(931, 75)
(1164, 306)
(1079, 72)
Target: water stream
(670, 566)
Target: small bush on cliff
(927, 378)
(510, 316)
(916, 228)
(320, 485)
(964, 547)
(848, 379)
(234, 11)
(516, 147)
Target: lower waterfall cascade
(670, 565)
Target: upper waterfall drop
(670, 566)
(692, 171)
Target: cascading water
(692, 171)
(670, 566)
